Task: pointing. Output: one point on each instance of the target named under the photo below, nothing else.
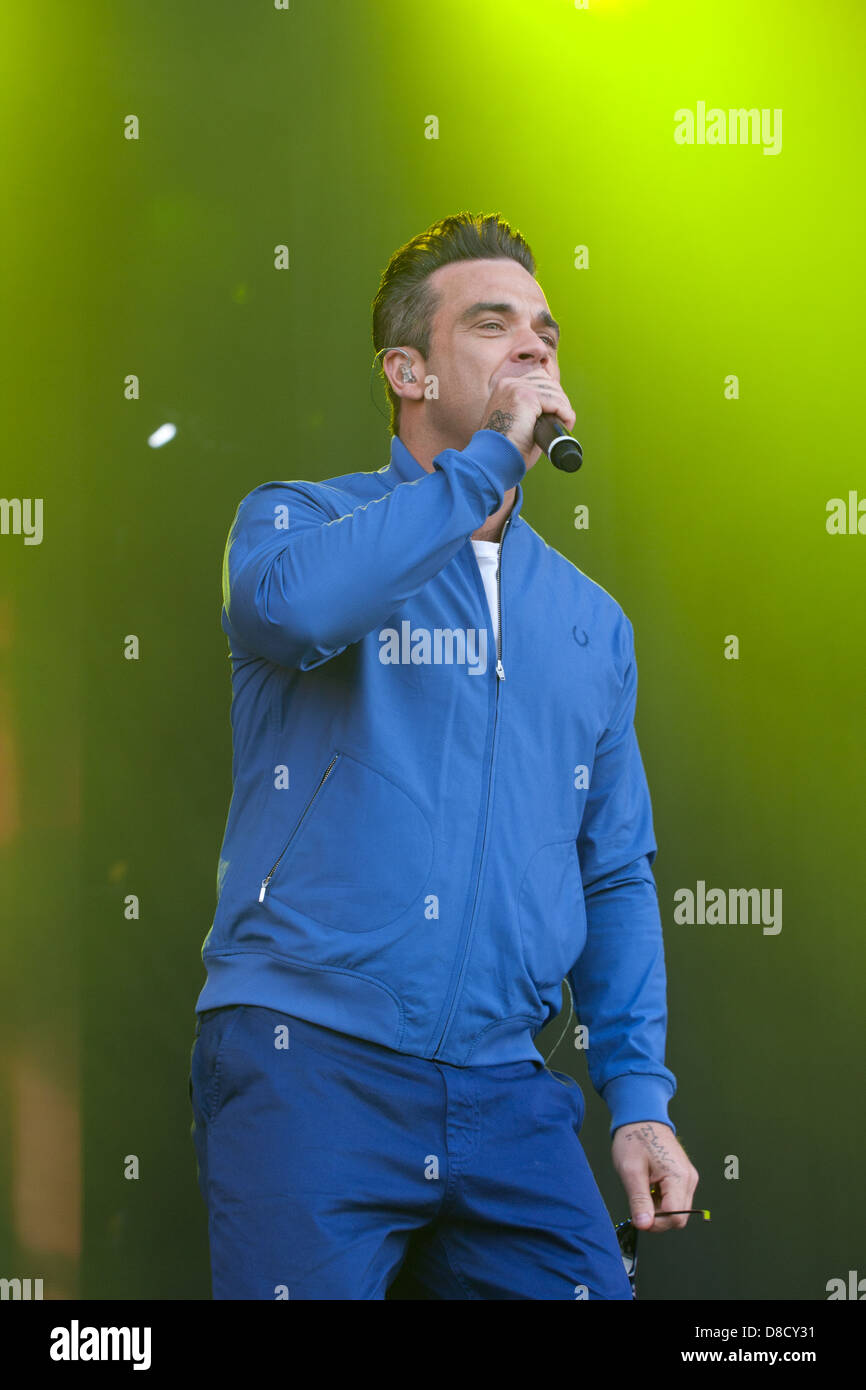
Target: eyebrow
(487, 307)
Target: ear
(395, 363)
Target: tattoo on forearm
(501, 421)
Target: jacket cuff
(637, 1096)
(490, 464)
(499, 455)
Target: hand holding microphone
(534, 412)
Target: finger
(642, 1212)
(555, 402)
(564, 412)
(668, 1223)
(551, 396)
(671, 1194)
(640, 1203)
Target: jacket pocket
(298, 823)
(360, 853)
(552, 913)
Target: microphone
(561, 447)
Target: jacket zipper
(325, 775)
(500, 677)
(500, 669)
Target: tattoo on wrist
(501, 421)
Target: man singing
(439, 812)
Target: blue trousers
(333, 1168)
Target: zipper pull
(262, 891)
(500, 670)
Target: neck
(423, 443)
(492, 528)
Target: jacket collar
(405, 468)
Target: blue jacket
(422, 843)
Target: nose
(533, 348)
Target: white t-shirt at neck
(487, 555)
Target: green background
(707, 517)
